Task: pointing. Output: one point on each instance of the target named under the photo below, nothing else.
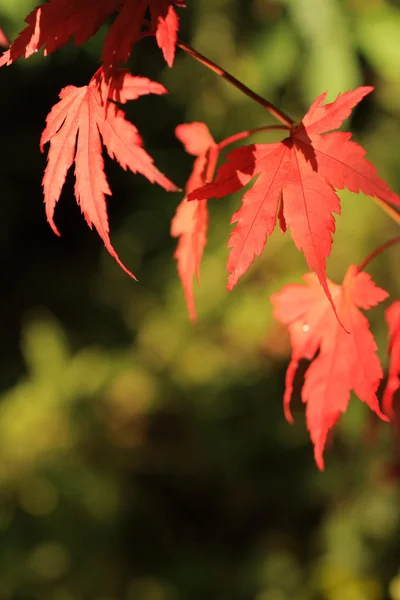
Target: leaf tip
(319, 459)
(53, 226)
(232, 281)
(288, 415)
(192, 314)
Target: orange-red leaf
(127, 30)
(53, 24)
(76, 127)
(295, 181)
(4, 41)
(123, 33)
(393, 384)
(191, 218)
(165, 22)
(347, 359)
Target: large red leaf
(296, 178)
(73, 128)
(393, 384)
(191, 218)
(347, 357)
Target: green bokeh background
(142, 457)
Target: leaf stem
(389, 209)
(276, 112)
(245, 134)
(378, 251)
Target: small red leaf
(53, 24)
(166, 24)
(127, 30)
(393, 383)
(191, 218)
(346, 361)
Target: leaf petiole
(245, 134)
(276, 112)
(377, 251)
(389, 209)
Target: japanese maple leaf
(75, 127)
(296, 181)
(165, 22)
(393, 383)
(347, 357)
(127, 30)
(191, 218)
(53, 24)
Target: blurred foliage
(141, 457)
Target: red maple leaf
(393, 384)
(347, 357)
(191, 218)
(296, 181)
(53, 24)
(165, 22)
(127, 30)
(73, 128)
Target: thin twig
(378, 251)
(276, 112)
(245, 134)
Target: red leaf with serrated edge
(123, 34)
(393, 384)
(165, 22)
(296, 181)
(53, 24)
(73, 128)
(347, 357)
(127, 30)
(191, 218)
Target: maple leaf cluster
(88, 116)
(296, 183)
(53, 24)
